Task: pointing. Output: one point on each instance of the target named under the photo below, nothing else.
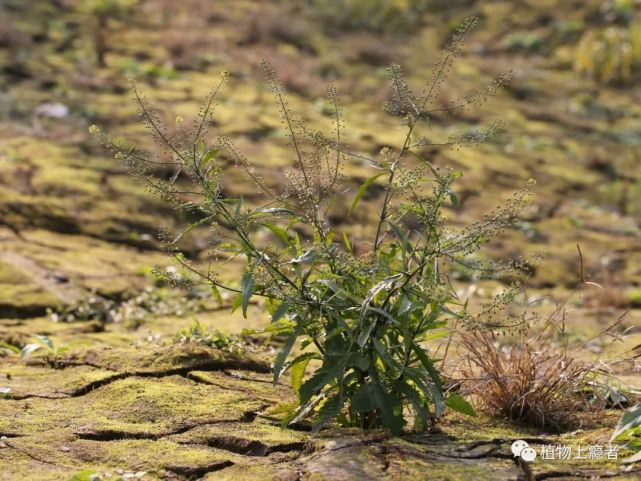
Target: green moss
(259, 385)
(25, 380)
(157, 406)
(157, 360)
(26, 297)
(401, 469)
(18, 465)
(262, 432)
(254, 473)
(154, 456)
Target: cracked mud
(202, 414)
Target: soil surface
(151, 410)
(78, 236)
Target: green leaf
(405, 305)
(283, 326)
(321, 377)
(402, 236)
(273, 211)
(365, 333)
(630, 419)
(285, 412)
(391, 412)
(383, 313)
(360, 361)
(297, 369)
(208, 156)
(362, 189)
(328, 411)
(236, 302)
(458, 403)
(297, 243)
(282, 355)
(247, 289)
(453, 198)
(348, 244)
(28, 349)
(283, 408)
(191, 227)
(280, 232)
(307, 257)
(635, 443)
(371, 397)
(45, 340)
(201, 145)
(363, 399)
(385, 357)
(239, 205)
(420, 410)
(635, 458)
(280, 312)
(428, 365)
(437, 392)
(365, 306)
(435, 335)
(10, 347)
(216, 293)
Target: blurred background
(73, 224)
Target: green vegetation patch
(41, 381)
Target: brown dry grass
(530, 382)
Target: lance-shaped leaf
(362, 189)
(282, 355)
(280, 312)
(630, 420)
(207, 156)
(279, 231)
(307, 257)
(458, 403)
(28, 349)
(273, 212)
(365, 306)
(247, 289)
(297, 369)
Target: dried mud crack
(253, 448)
(196, 472)
(204, 415)
(633, 474)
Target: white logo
(523, 450)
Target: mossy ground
(125, 400)
(182, 412)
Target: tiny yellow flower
(94, 129)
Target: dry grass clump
(531, 381)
